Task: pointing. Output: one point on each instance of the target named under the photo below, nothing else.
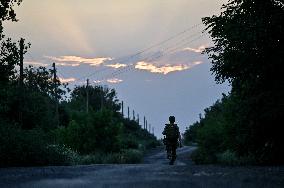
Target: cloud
(66, 80)
(117, 65)
(97, 81)
(68, 64)
(197, 50)
(165, 69)
(76, 60)
(34, 63)
(114, 80)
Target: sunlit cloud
(197, 50)
(97, 81)
(165, 69)
(34, 63)
(76, 60)
(68, 64)
(114, 80)
(66, 80)
(117, 65)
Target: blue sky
(99, 38)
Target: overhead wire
(125, 58)
(153, 57)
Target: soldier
(172, 138)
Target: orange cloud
(197, 50)
(142, 65)
(97, 81)
(76, 60)
(114, 80)
(117, 65)
(68, 64)
(66, 80)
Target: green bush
(131, 156)
(91, 133)
(91, 159)
(228, 158)
(31, 148)
(61, 155)
(201, 156)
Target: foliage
(7, 11)
(190, 134)
(99, 97)
(248, 38)
(29, 148)
(90, 133)
(126, 156)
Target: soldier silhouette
(171, 139)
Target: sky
(149, 51)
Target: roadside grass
(230, 158)
(130, 156)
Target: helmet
(172, 119)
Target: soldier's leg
(168, 151)
(174, 153)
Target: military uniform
(171, 131)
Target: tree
(8, 54)
(7, 11)
(248, 42)
(99, 97)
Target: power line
(119, 60)
(127, 58)
(150, 58)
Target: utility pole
(149, 128)
(102, 98)
(55, 94)
(122, 109)
(87, 91)
(144, 123)
(128, 113)
(21, 81)
(21, 62)
(133, 113)
(138, 119)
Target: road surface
(154, 172)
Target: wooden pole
(102, 98)
(128, 112)
(146, 125)
(21, 61)
(55, 95)
(21, 79)
(122, 109)
(87, 92)
(138, 119)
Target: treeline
(39, 125)
(244, 127)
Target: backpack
(172, 132)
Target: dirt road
(155, 172)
